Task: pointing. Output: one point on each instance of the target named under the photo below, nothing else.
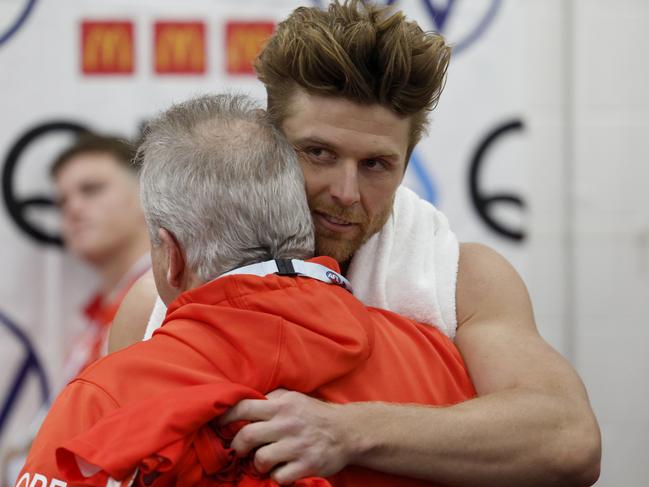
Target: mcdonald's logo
(107, 47)
(243, 41)
(180, 48)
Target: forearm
(511, 437)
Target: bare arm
(132, 317)
(531, 424)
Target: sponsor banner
(180, 48)
(243, 41)
(107, 47)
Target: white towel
(410, 266)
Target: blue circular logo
(462, 22)
(13, 14)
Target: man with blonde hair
(351, 87)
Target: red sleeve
(79, 406)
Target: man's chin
(92, 252)
(340, 250)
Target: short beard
(342, 249)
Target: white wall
(589, 255)
(611, 232)
(576, 72)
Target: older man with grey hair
(221, 188)
(224, 201)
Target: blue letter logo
(13, 14)
(29, 364)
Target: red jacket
(258, 334)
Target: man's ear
(175, 256)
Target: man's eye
(320, 154)
(374, 164)
(92, 189)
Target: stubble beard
(341, 249)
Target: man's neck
(114, 269)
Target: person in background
(103, 225)
(97, 188)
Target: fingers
(249, 410)
(285, 461)
(277, 393)
(294, 436)
(273, 454)
(256, 409)
(261, 430)
(290, 472)
(254, 435)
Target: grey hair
(226, 183)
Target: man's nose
(344, 189)
(72, 208)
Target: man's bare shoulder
(488, 285)
(497, 333)
(132, 317)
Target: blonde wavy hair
(364, 53)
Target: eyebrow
(322, 142)
(315, 141)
